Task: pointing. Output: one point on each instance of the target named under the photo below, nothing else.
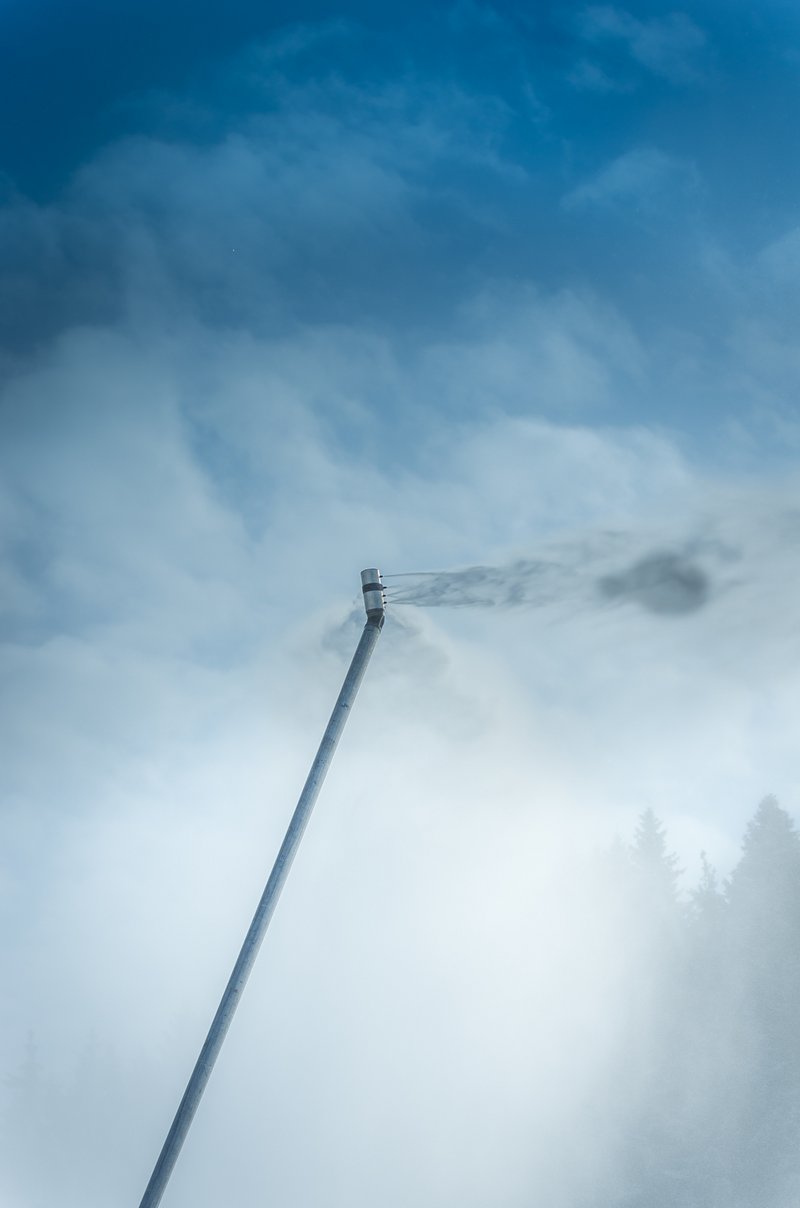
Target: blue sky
(645, 157)
(286, 294)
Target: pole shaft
(252, 942)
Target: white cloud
(162, 716)
(590, 77)
(643, 180)
(185, 509)
(668, 46)
(781, 258)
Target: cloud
(198, 527)
(643, 180)
(669, 46)
(174, 842)
(199, 454)
(588, 76)
(780, 259)
(301, 212)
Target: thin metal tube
(241, 970)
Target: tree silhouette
(714, 1119)
(764, 952)
(706, 901)
(655, 867)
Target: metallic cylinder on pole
(374, 603)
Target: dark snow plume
(521, 582)
(661, 581)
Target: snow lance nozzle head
(374, 594)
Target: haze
(501, 295)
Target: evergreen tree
(655, 867)
(764, 953)
(713, 1115)
(706, 902)
(705, 1082)
(765, 882)
(652, 1169)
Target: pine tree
(713, 1108)
(706, 910)
(706, 899)
(652, 1167)
(764, 955)
(656, 868)
(765, 882)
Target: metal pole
(374, 601)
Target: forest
(697, 1104)
(711, 1059)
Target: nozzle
(374, 594)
